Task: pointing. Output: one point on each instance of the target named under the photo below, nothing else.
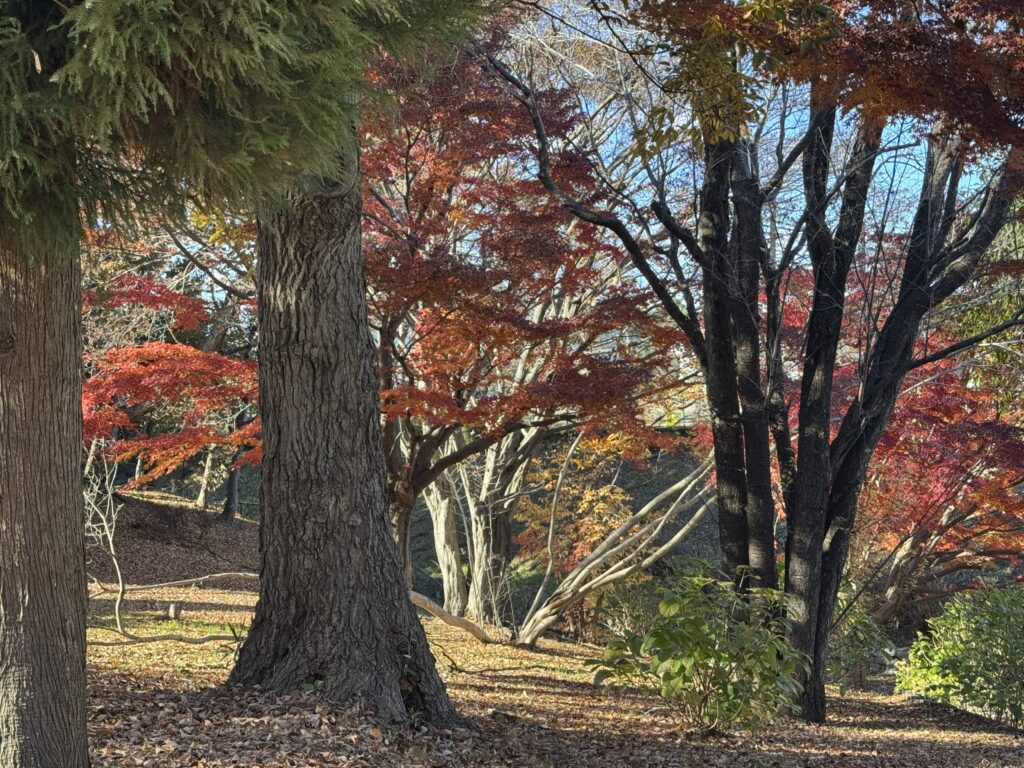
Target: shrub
(973, 656)
(856, 641)
(630, 606)
(718, 658)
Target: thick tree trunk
(441, 504)
(42, 554)
(333, 608)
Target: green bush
(718, 658)
(973, 656)
(855, 642)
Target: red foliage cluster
(492, 305)
(493, 308)
(949, 467)
(960, 58)
(129, 289)
(196, 388)
(949, 463)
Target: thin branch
(952, 349)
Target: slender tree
(498, 318)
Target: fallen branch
(420, 601)
(130, 639)
(428, 605)
(187, 582)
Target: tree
(333, 609)
(199, 393)
(967, 521)
(112, 110)
(852, 79)
(498, 320)
(591, 536)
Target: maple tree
(941, 497)
(718, 240)
(498, 319)
(487, 343)
(158, 387)
(590, 533)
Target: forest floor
(164, 704)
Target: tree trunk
(441, 504)
(204, 480)
(748, 256)
(42, 550)
(401, 501)
(720, 365)
(231, 492)
(333, 609)
(231, 498)
(491, 535)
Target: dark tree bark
(748, 257)
(42, 551)
(832, 255)
(820, 483)
(720, 363)
(333, 610)
(231, 492)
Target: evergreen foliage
(971, 656)
(121, 106)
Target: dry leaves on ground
(164, 704)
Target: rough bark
(42, 555)
(333, 608)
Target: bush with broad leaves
(972, 656)
(717, 657)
